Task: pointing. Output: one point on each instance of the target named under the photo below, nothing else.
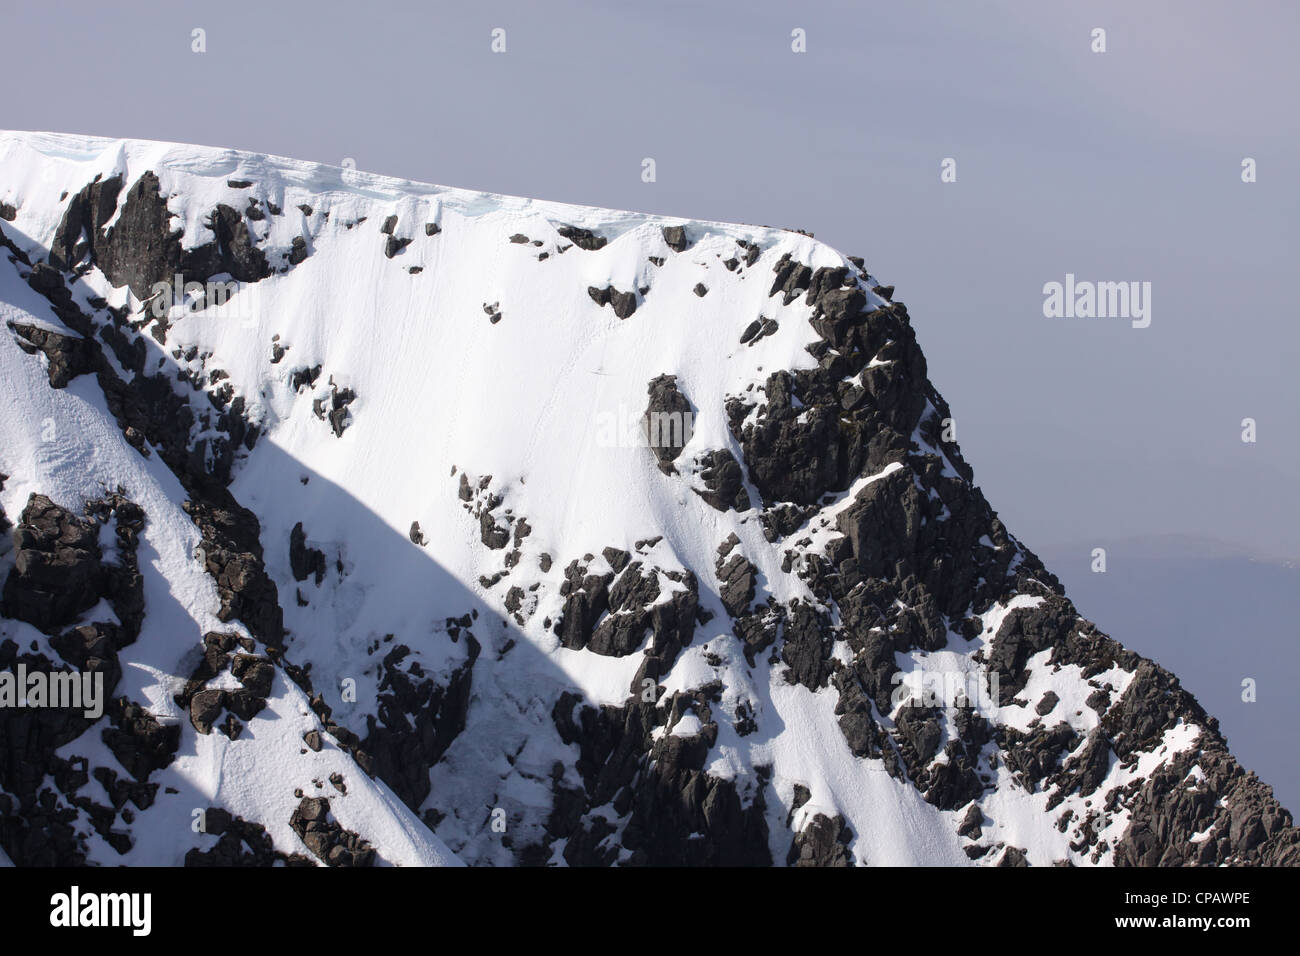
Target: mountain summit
(405, 524)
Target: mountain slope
(382, 567)
(1142, 600)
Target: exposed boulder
(304, 561)
(737, 578)
(327, 840)
(724, 481)
(675, 237)
(668, 421)
(823, 842)
(67, 356)
(583, 238)
(624, 303)
(57, 572)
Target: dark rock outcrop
(304, 561)
(823, 842)
(582, 238)
(331, 844)
(724, 481)
(67, 356)
(624, 303)
(675, 237)
(668, 421)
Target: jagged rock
(490, 533)
(1025, 632)
(232, 554)
(1013, 856)
(1237, 817)
(672, 802)
(304, 377)
(240, 843)
(205, 707)
(737, 579)
(622, 631)
(675, 237)
(792, 277)
(919, 735)
(668, 421)
(257, 674)
(68, 356)
(583, 239)
(139, 742)
(1033, 756)
(624, 303)
(861, 732)
(418, 718)
(140, 248)
(1089, 769)
(80, 229)
(616, 557)
(971, 823)
(326, 839)
(822, 842)
(57, 572)
(586, 599)
(304, 561)
(792, 454)
(336, 411)
(807, 647)
(724, 481)
(757, 330)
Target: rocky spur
(60, 689)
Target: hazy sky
(1115, 166)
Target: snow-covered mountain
(380, 565)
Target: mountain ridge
(561, 650)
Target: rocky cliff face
(368, 578)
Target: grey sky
(1116, 166)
